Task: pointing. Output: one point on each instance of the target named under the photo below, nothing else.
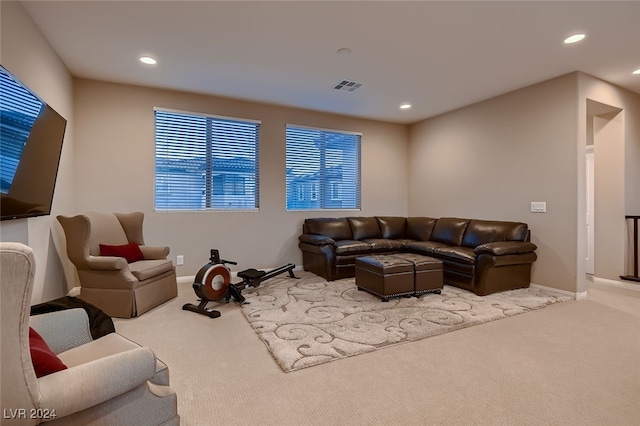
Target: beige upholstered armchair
(120, 287)
(108, 381)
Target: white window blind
(323, 169)
(206, 162)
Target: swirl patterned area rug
(310, 321)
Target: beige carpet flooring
(573, 363)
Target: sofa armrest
(96, 382)
(107, 262)
(154, 252)
(503, 248)
(316, 240)
(63, 330)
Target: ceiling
(438, 56)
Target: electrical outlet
(179, 259)
(538, 207)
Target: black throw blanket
(100, 323)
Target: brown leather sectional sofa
(478, 255)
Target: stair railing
(635, 276)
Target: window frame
(327, 193)
(209, 197)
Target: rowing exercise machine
(213, 283)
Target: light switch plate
(538, 207)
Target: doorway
(605, 227)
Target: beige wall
(114, 155)
(490, 160)
(487, 160)
(613, 114)
(26, 54)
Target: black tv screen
(31, 135)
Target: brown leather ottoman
(428, 272)
(385, 276)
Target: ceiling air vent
(348, 86)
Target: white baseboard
(595, 280)
(576, 295)
(74, 292)
(186, 279)
(581, 295)
(616, 283)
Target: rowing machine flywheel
(212, 281)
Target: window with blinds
(206, 162)
(323, 169)
(19, 110)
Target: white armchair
(108, 381)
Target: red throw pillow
(130, 251)
(43, 359)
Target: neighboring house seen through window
(323, 169)
(206, 162)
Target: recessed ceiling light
(405, 106)
(574, 38)
(148, 60)
(636, 72)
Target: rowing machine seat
(251, 274)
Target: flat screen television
(31, 136)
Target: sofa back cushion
(335, 228)
(392, 227)
(449, 230)
(485, 231)
(364, 227)
(420, 228)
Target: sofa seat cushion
(145, 269)
(458, 254)
(424, 247)
(352, 247)
(453, 267)
(381, 244)
(405, 242)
